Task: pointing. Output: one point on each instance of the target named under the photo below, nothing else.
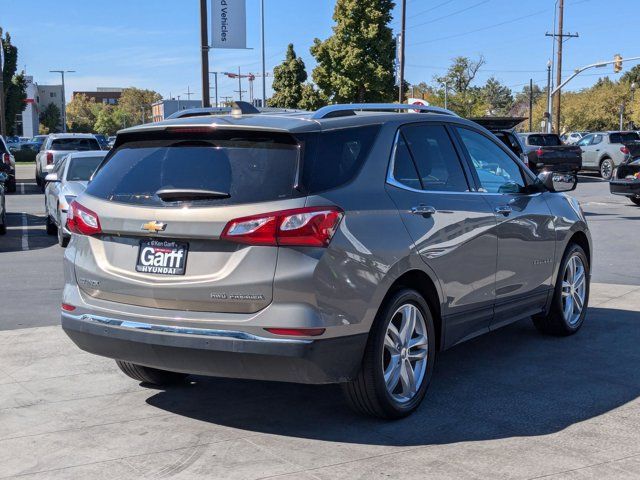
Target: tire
(368, 393)
(635, 200)
(63, 240)
(151, 376)
(555, 322)
(51, 227)
(11, 186)
(606, 168)
(3, 225)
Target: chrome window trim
(205, 332)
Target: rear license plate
(163, 257)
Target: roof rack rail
(347, 109)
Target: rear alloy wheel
(51, 227)
(606, 169)
(152, 376)
(398, 361)
(570, 298)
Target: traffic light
(617, 66)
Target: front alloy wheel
(574, 288)
(606, 169)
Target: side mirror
(558, 181)
(51, 177)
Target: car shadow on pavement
(33, 237)
(512, 382)
(590, 178)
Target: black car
(626, 178)
(4, 177)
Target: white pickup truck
(56, 146)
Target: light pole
(64, 99)
(3, 126)
(264, 73)
(549, 97)
(631, 107)
(403, 23)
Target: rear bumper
(570, 166)
(627, 188)
(220, 353)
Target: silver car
(66, 181)
(58, 145)
(604, 151)
(347, 245)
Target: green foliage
(288, 80)
(15, 86)
(82, 114)
(134, 100)
(464, 99)
(311, 98)
(50, 118)
(107, 122)
(498, 97)
(355, 64)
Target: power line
(463, 10)
(395, 21)
(468, 32)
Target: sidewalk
(511, 404)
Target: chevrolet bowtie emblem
(154, 227)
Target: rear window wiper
(183, 194)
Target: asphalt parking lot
(510, 404)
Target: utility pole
(204, 45)
(215, 83)
(548, 114)
(403, 28)
(446, 95)
(3, 124)
(189, 92)
(531, 104)
(559, 36)
(622, 115)
(264, 73)
(64, 99)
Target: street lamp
(632, 109)
(64, 99)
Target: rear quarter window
(334, 157)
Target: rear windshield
(75, 144)
(544, 140)
(623, 137)
(246, 167)
(81, 169)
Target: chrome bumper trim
(206, 332)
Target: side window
(596, 139)
(435, 158)
(497, 171)
(584, 141)
(404, 170)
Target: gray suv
(348, 245)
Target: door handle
(423, 210)
(503, 210)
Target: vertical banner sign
(228, 24)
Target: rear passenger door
(526, 231)
(453, 229)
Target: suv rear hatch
(163, 199)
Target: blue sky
(155, 43)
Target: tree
(464, 98)
(311, 98)
(107, 122)
(50, 118)
(355, 64)
(82, 113)
(288, 80)
(15, 86)
(134, 100)
(498, 97)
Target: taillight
(309, 227)
(624, 149)
(67, 307)
(82, 220)
(6, 159)
(539, 152)
(49, 158)
(297, 332)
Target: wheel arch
(420, 281)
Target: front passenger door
(525, 228)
